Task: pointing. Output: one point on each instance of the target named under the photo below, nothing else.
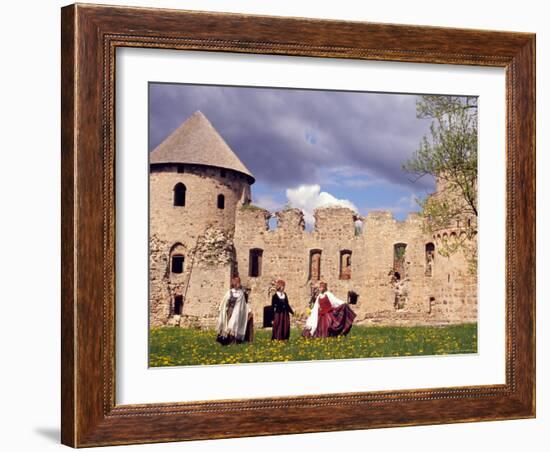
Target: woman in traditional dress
(235, 321)
(329, 316)
(281, 313)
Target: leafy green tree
(448, 153)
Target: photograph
(294, 224)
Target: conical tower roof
(197, 142)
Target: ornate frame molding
(90, 37)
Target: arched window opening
(399, 250)
(358, 225)
(315, 265)
(255, 263)
(221, 202)
(178, 261)
(353, 297)
(345, 264)
(178, 304)
(272, 223)
(430, 258)
(431, 305)
(179, 195)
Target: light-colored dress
(233, 316)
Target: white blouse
(311, 322)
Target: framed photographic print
(267, 219)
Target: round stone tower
(195, 181)
(196, 185)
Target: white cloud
(310, 197)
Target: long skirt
(281, 326)
(248, 334)
(334, 323)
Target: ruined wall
(455, 285)
(446, 295)
(216, 243)
(454, 276)
(199, 231)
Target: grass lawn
(186, 346)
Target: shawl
(311, 322)
(236, 324)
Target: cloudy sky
(308, 147)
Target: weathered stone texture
(217, 243)
(200, 231)
(350, 252)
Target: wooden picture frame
(90, 36)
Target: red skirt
(281, 326)
(334, 323)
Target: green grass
(186, 346)
(251, 206)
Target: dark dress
(332, 321)
(281, 317)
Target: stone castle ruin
(204, 230)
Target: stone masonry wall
(448, 296)
(199, 231)
(216, 244)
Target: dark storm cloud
(291, 137)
